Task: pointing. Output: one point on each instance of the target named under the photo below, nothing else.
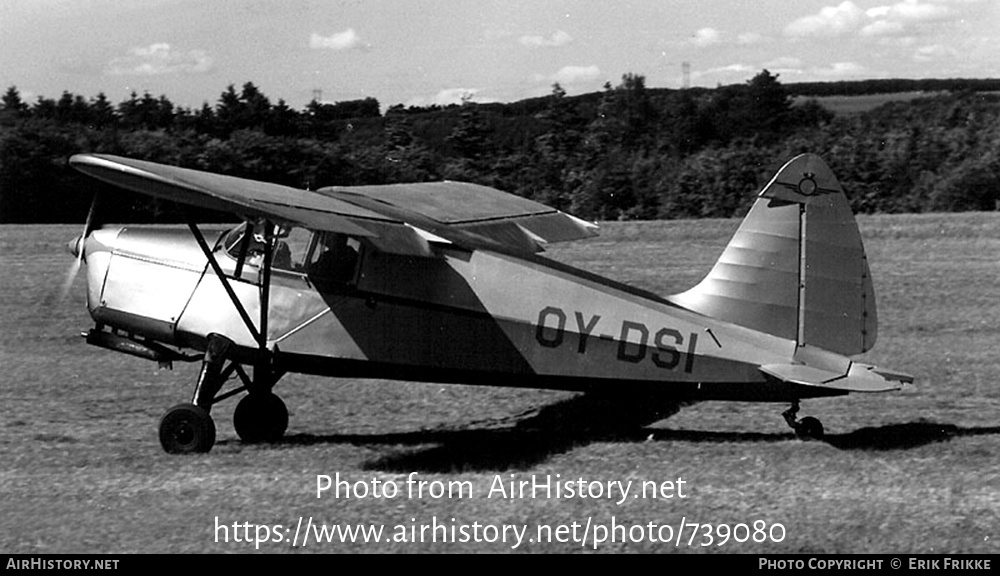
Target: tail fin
(796, 267)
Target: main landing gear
(260, 416)
(808, 428)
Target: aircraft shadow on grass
(560, 427)
(905, 435)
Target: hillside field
(859, 103)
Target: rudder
(796, 268)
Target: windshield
(290, 250)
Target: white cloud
(934, 52)
(739, 68)
(883, 28)
(346, 40)
(910, 10)
(783, 63)
(450, 96)
(899, 18)
(706, 37)
(749, 38)
(831, 21)
(558, 38)
(840, 69)
(880, 21)
(568, 75)
(158, 59)
(877, 12)
(454, 96)
(729, 73)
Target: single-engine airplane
(442, 282)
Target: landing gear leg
(807, 428)
(188, 428)
(210, 380)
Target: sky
(421, 52)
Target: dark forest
(626, 152)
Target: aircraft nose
(74, 246)
(100, 240)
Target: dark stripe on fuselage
(770, 391)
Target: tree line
(894, 86)
(625, 152)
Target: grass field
(914, 472)
(848, 105)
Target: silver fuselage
(462, 316)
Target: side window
(291, 247)
(233, 243)
(291, 250)
(333, 258)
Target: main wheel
(260, 418)
(186, 429)
(810, 428)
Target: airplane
(444, 282)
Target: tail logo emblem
(807, 186)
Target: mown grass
(918, 471)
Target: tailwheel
(187, 429)
(808, 428)
(260, 417)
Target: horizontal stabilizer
(800, 374)
(856, 377)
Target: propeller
(77, 249)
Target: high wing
(468, 213)
(397, 218)
(247, 198)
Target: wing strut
(265, 299)
(263, 379)
(222, 278)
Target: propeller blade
(90, 223)
(74, 269)
(77, 248)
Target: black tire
(809, 428)
(186, 429)
(260, 418)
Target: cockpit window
(231, 243)
(334, 257)
(291, 247)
